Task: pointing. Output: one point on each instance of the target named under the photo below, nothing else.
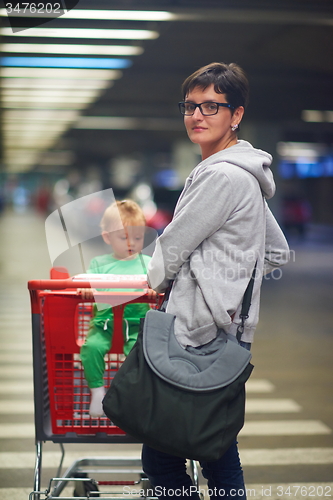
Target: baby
(125, 258)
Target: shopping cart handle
(61, 284)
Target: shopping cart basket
(60, 321)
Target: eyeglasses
(188, 108)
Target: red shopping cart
(60, 321)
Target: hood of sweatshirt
(255, 161)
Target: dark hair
(229, 79)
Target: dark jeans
(168, 475)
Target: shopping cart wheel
(82, 489)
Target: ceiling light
(41, 115)
(312, 115)
(108, 122)
(65, 62)
(48, 106)
(329, 116)
(31, 143)
(23, 154)
(299, 150)
(32, 134)
(57, 158)
(34, 139)
(29, 138)
(120, 15)
(27, 93)
(49, 83)
(224, 15)
(13, 168)
(69, 98)
(84, 33)
(39, 94)
(128, 123)
(52, 48)
(317, 116)
(34, 127)
(46, 99)
(109, 15)
(60, 73)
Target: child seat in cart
(60, 321)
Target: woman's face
(212, 133)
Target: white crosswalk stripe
(12, 358)
(287, 456)
(12, 319)
(12, 388)
(14, 493)
(259, 385)
(253, 406)
(271, 406)
(15, 372)
(14, 407)
(13, 347)
(260, 428)
(284, 428)
(17, 431)
(250, 458)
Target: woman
(222, 227)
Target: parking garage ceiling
(286, 48)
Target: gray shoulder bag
(186, 402)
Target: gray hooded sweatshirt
(221, 227)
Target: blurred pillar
(265, 136)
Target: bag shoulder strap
(246, 304)
(162, 307)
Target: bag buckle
(241, 326)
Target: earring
(234, 127)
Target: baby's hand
(86, 293)
(151, 294)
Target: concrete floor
(287, 441)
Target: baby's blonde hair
(130, 214)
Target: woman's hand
(86, 293)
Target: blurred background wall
(89, 101)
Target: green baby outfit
(99, 337)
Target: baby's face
(126, 243)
